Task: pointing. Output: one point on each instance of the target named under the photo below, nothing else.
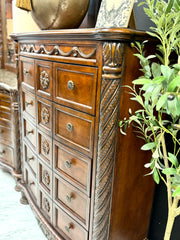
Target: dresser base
(46, 228)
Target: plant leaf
(161, 102)
(176, 192)
(169, 171)
(156, 176)
(148, 146)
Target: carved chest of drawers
(9, 124)
(82, 179)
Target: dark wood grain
(76, 140)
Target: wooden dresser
(9, 124)
(82, 178)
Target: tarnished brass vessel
(59, 14)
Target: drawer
(67, 227)
(31, 183)
(72, 166)
(44, 78)
(5, 134)
(44, 115)
(45, 147)
(30, 158)
(27, 73)
(5, 100)
(29, 131)
(74, 128)
(45, 177)
(71, 199)
(6, 154)
(29, 104)
(75, 86)
(5, 113)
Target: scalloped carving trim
(56, 50)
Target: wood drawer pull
(30, 159)
(31, 183)
(70, 85)
(1, 131)
(69, 127)
(25, 71)
(2, 152)
(28, 103)
(29, 132)
(67, 228)
(68, 164)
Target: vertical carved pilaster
(108, 123)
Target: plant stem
(167, 176)
(169, 225)
(171, 217)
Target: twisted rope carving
(109, 106)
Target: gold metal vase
(59, 14)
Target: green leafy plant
(158, 93)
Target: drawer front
(44, 78)
(27, 73)
(29, 131)
(45, 177)
(74, 128)
(29, 104)
(44, 115)
(45, 205)
(72, 199)
(45, 147)
(72, 166)
(6, 154)
(30, 158)
(67, 227)
(5, 100)
(31, 183)
(5, 113)
(75, 86)
(5, 134)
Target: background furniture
(82, 178)
(9, 124)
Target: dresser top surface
(119, 34)
(8, 80)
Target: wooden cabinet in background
(10, 159)
(82, 178)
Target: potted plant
(157, 92)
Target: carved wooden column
(110, 97)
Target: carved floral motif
(45, 147)
(44, 79)
(45, 115)
(46, 177)
(46, 205)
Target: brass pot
(59, 14)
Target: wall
(22, 20)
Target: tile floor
(17, 221)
